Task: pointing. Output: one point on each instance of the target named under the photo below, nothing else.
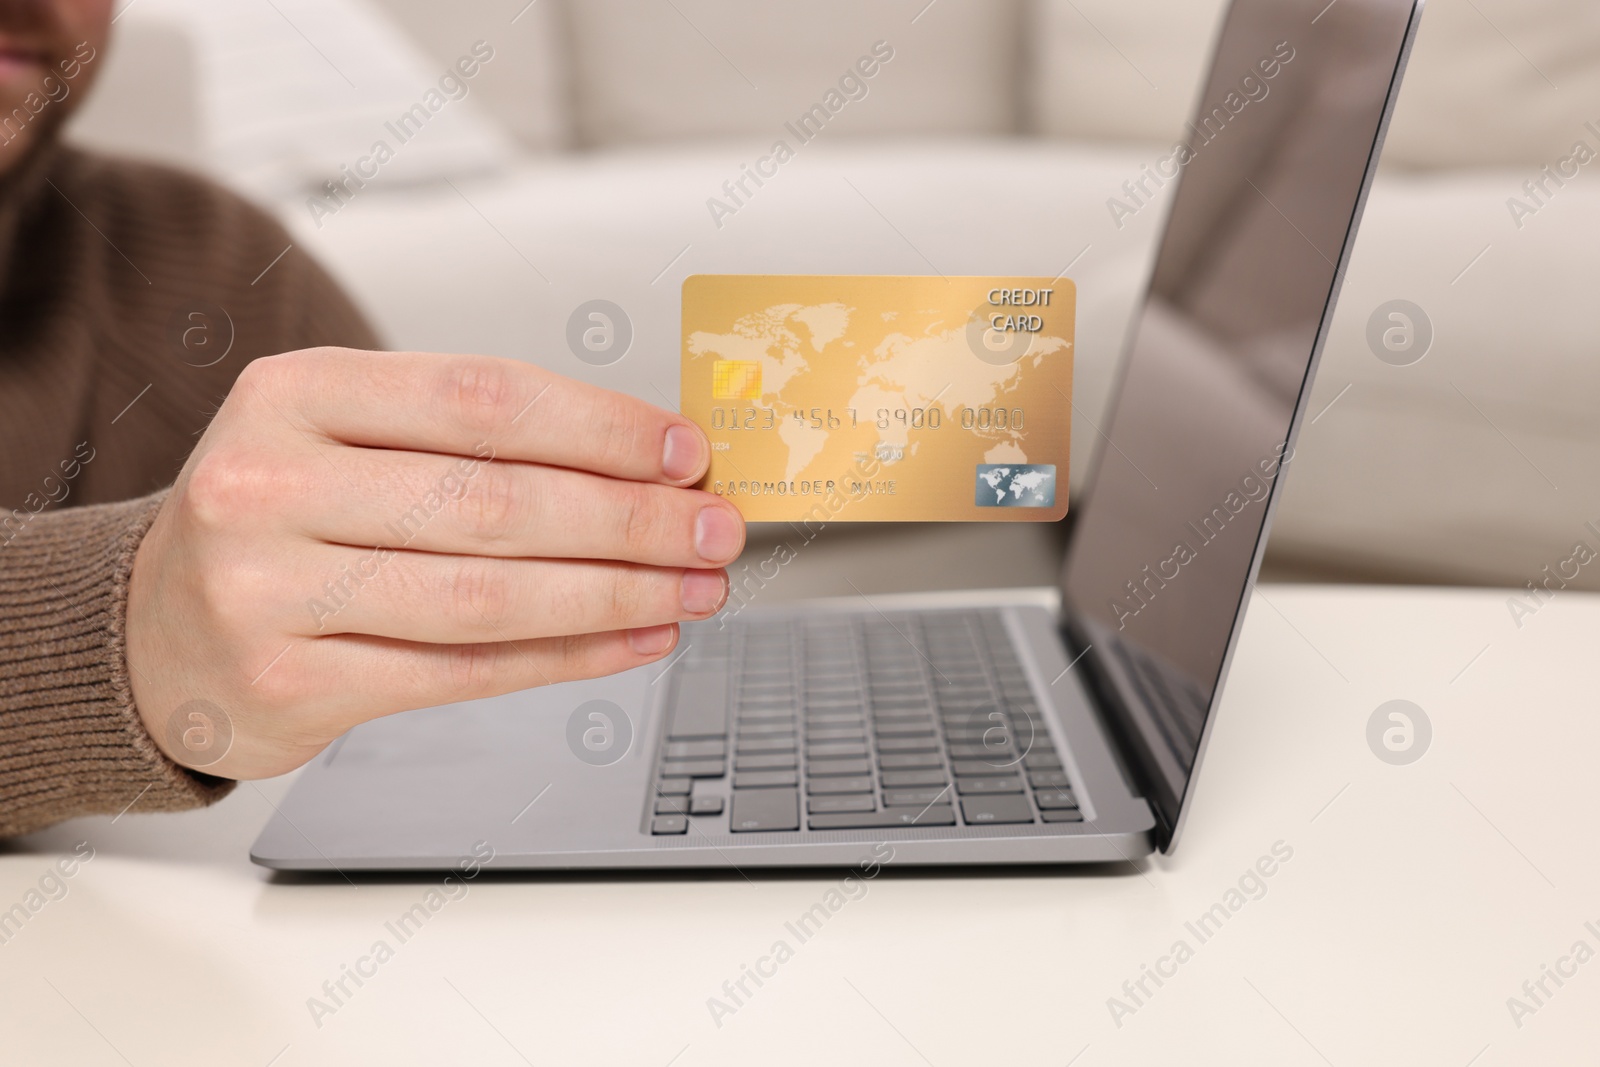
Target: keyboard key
(971, 713)
(989, 811)
(705, 806)
(766, 729)
(977, 768)
(1048, 779)
(697, 749)
(758, 746)
(834, 786)
(764, 779)
(907, 744)
(977, 728)
(976, 732)
(699, 706)
(920, 716)
(756, 810)
(768, 762)
(824, 805)
(835, 720)
(669, 824)
(705, 768)
(1055, 798)
(960, 735)
(672, 805)
(912, 779)
(988, 786)
(745, 724)
(764, 714)
(937, 815)
(1003, 752)
(831, 768)
(964, 697)
(896, 798)
(1042, 761)
(855, 733)
(756, 710)
(921, 762)
(834, 750)
(1062, 815)
(909, 729)
(673, 787)
(751, 744)
(774, 742)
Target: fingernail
(702, 591)
(716, 534)
(651, 640)
(683, 455)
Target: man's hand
(361, 533)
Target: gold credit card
(871, 398)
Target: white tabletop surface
(1417, 900)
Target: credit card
(872, 398)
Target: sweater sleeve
(71, 742)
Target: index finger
(480, 406)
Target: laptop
(1044, 726)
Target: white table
(1417, 900)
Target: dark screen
(1272, 171)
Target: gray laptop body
(1041, 726)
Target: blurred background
(586, 156)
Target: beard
(42, 60)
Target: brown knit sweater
(130, 297)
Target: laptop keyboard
(1176, 704)
(849, 722)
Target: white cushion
(1118, 70)
(1474, 463)
(1499, 82)
(525, 88)
(652, 71)
(294, 90)
(1481, 88)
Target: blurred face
(50, 51)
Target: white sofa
(581, 161)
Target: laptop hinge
(1112, 712)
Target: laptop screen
(1198, 434)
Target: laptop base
(529, 781)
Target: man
(351, 534)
